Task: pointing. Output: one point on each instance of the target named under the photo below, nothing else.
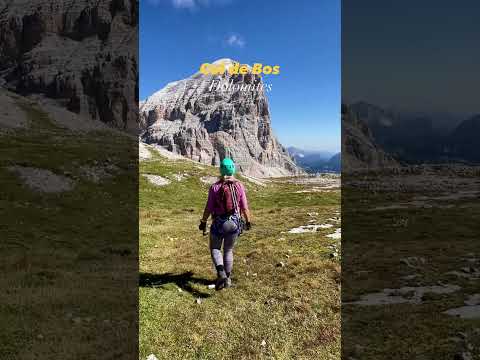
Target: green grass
(373, 247)
(69, 275)
(295, 309)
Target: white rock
(143, 152)
(309, 228)
(336, 235)
(157, 179)
(43, 180)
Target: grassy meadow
(66, 274)
(410, 239)
(285, 303)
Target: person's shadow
(183, 281)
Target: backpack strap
(233, 189)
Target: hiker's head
(227, 167)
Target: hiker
(227, 202)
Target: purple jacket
(214, 193)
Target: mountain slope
(360, 152)
(463, 141)
(205, 125)
(68, 205)
(82, 53)
(314, 161)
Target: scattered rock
(209, 180)
(43, 180)
(198, 301)
(309, 228)
(413, 262)
(281, 264)
(471, 310)
(68, 119)
(143, 152)
(157, 179)
(98, 173)
(256, 181)
(336, 235)
(407, 294)
(463, 356)
(473, 300)
(211, 286)
(467, 273)
(151, 357)
(409, 277)
(11, 114)
(263, 343)
(180, 177)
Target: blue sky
(424, 59)
(302, 37)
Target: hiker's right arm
(206, 214)
(209, 205)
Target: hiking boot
(221, 280)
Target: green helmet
(227, 167)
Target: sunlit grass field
(285, 303)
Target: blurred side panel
(410, 180)
(69, 179)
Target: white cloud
(235, 40)
(184, 4)
(191, 4)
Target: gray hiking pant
(228, 241)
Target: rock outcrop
(359, 150)
(463, 142)
(190, 118)
(82, 53)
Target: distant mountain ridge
(413, 138)
(315, 161)
(464, 142)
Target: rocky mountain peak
(81, 53)
(208, 117)
(359, 149)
